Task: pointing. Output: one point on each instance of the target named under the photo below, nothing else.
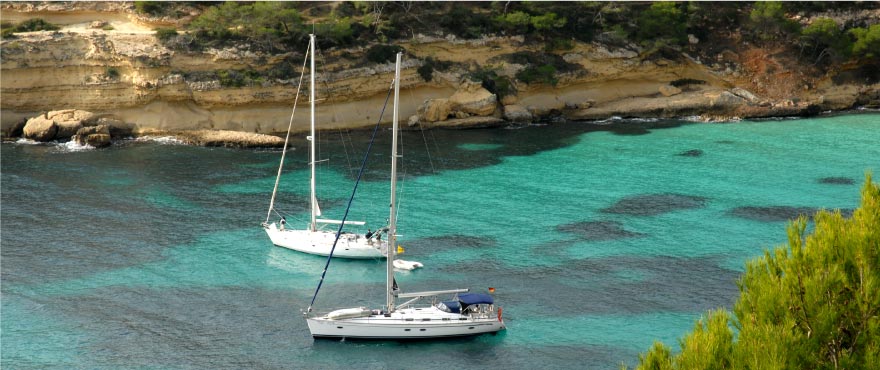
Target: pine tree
(811, 304)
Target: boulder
(745, 94)
(517, 113)
(473, 99)
(118, 128)
(69, 121)
(40, 128)
(669, 90)
(433, 110)
(413, 120)
(726, 100)
(96, 136)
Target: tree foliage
(867, 41)
(812, 304)
(769, 21)
(663, 21)
(266, 24)
(824, 37)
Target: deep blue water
(599, 240)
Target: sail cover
(468, 299)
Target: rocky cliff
(123, 74)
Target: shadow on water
(655, 204)
(779, 213)
(598, 230)
(428, 151)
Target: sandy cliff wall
(125, 73)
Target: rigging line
(350, 199)
(427, 149)
(345, 150)
(287, 137)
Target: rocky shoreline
(92, 84)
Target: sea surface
(599, 239)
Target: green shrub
(825, 37)
(542, 74)
(769, 21)
(426, 70)
(382, 53)
(464, 23)
(867, 41)
(150, 7)
(112, 72)
(31, 25)
(165, 34)
(491, 81)
(662, 21)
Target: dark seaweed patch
(594, 285)
(598, 230)
(837, 180)
(778, 213)
(655, 204)
(451, 241)
(691, 153)
(724, 142)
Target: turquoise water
(599, 239)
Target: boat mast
(313, 200)
(392, 225)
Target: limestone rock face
(473, 99)
(40, 128)
(517, 113)
(96, 136)
(669, 90)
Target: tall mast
(313, 200)
(392, 225)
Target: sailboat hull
(424, 323)
(321, 242)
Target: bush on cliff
(30, 25)
(825, 38)
(768, 20)
(813, 304)
(265, 25)
(164, 34)
(383, 53)
(664, 22)
(867, 41)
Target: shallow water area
(598, 238)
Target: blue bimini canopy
(468, 299)
(450, 306)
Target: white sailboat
(463, 315)
(315, 239)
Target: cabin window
(338, 327)
(409, 319)
(407, 329)
(423, 329)
(470, 327)
(426, 319)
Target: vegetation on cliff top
(702, 29)
(813, 304)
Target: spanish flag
(400, 249)
(491, 290)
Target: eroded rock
(40, 128)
